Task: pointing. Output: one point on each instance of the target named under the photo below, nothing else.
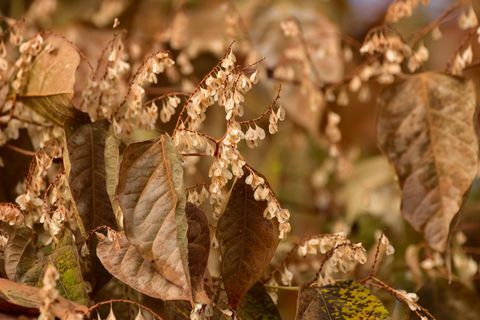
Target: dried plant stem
(461, 46)
(283, 288)
(99, 304)
(25, 152)
(418, 35)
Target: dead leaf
(150, 191)
(125, 263)
(247, 241)
(16, 249)
(257, 304)
(198, 234)
(30, 297)
(86, 147)
(426, 128)
(51, 80)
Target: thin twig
(25, 152)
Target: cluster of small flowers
(10, 214)
(28, 50)
(343, 258)
(227, 164)
(30, 200)
(168, 108)
(225, 86)
(462, 60)
(274, 118)
(388, 43)
(418, 57)
(322, 244)
(198, 198)
(135, 114)
(402, 8)
(190, 141)
(101, 97)
(468, 19)
(48, 293)
(57, 206)
(262, 192)
(409, 298)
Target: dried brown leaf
(426, 128)
(51, 80)
(17, 246)
(247, 241)
(86, 147)
(125, 263)
(198, 235)
(150, 192)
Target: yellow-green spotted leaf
(344, 300)
(66, 260)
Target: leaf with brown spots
(247, 241)
(426, 128)
(343, 300)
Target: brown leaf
(125, 263)
(17, 246)
(30, 297)
(86, 147)
(426, 128)
(51, 80)
(150, 191)
(198, 234)
(247, 241)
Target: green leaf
(66, 260)
(51, 80)
(125, 263)
(86, 153)
(344, 300)
(247, 241)
(257, 305)
(426, 128)
(150, 192)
